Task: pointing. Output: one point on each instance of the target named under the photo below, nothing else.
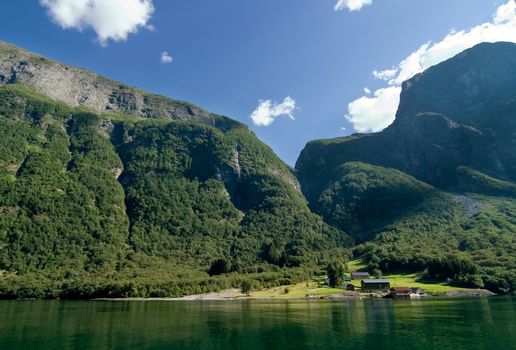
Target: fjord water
(473, 323)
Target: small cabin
(359, 275)
(400, 292)
(375, 285)
(349, 287)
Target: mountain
(436, 189)
(107, 190)
(459, 113)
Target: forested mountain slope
(89, 193)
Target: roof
(401, 289)
(360, 273)
(375, 281)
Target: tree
(335, 272)
(276, 253)
(246, 286)
(377, 273)
(218, 267)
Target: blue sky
(230, 54)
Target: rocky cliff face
(461, 112)
(80, 87)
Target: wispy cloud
(110, 19)
(166, 58)
(352, 5)
(268, 110)
(377, 112)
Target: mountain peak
(457, 113)
(470, 79)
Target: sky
(293, 70)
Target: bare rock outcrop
(80, 87)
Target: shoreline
(236, 295)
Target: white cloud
(110, 19)
(378, 112)
(352, 5)
(268, 110)
(165, 57)
(367, 90)
(385, 74)
(372, 113)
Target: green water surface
(472, 323)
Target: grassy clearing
(299, 290)
(356, 265)
(412, 280)
(317, 288)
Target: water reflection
(351, 324)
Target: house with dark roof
(374, 285)
(356, 275)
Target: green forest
(112, 205)
(109, 205)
